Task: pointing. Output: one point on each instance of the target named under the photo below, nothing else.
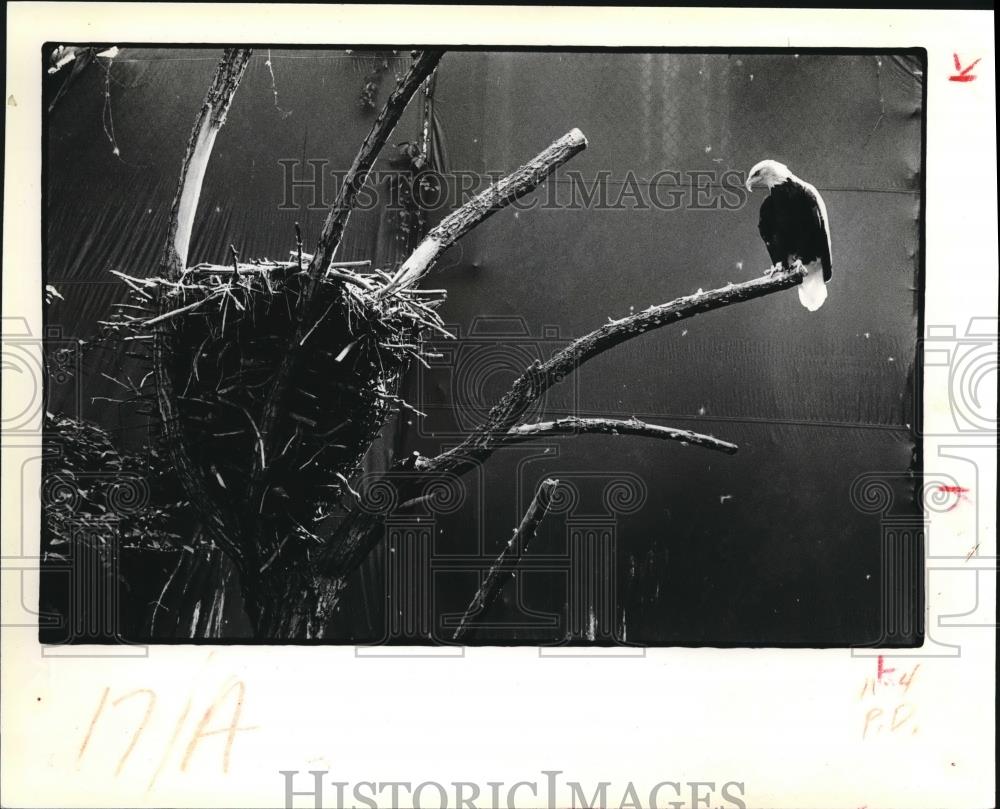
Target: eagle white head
(768, 172)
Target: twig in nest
(350, 278)
(298, 244)
(355, 495)
(174, 312)
(401, 401)
(314, 325)
(134, 284)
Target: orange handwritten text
(227, 706)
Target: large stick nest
(229, 329)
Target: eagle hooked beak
(751, 180)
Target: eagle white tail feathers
(812, 290)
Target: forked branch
(359, 532)
(540, 376)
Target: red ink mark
(961, 491)
(882, 669)
(964, 73)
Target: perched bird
(795, 228)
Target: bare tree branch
(333, 231)
(199, 149)
(499, 195)
(361, 531)
(541, 376)
(175, 254)
(577, 426)
(503, 568)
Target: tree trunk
(297, 605)
(193, 601)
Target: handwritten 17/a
(206, 727)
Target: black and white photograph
(469, 407)
(413, 345)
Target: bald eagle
(795, 228)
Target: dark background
(652, 543)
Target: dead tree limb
(505, 564)
(361, 531)
(199, 149)
(333, 230)
(175, 254)
(542, 375)
(243, 537)
(499, 195)
(577, 426)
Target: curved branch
(541, 376)
(360, 531)
(172, 262)
(503, 568)
(499, 195)
(210, 120)
(577, 426)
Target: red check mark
(963, 74)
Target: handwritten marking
(963, 74)
(141, 726)
(230, 730)
(898, 722)
(903, 712)
(90, 730)
(906, 680)
(170, 744)
(232, 696)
